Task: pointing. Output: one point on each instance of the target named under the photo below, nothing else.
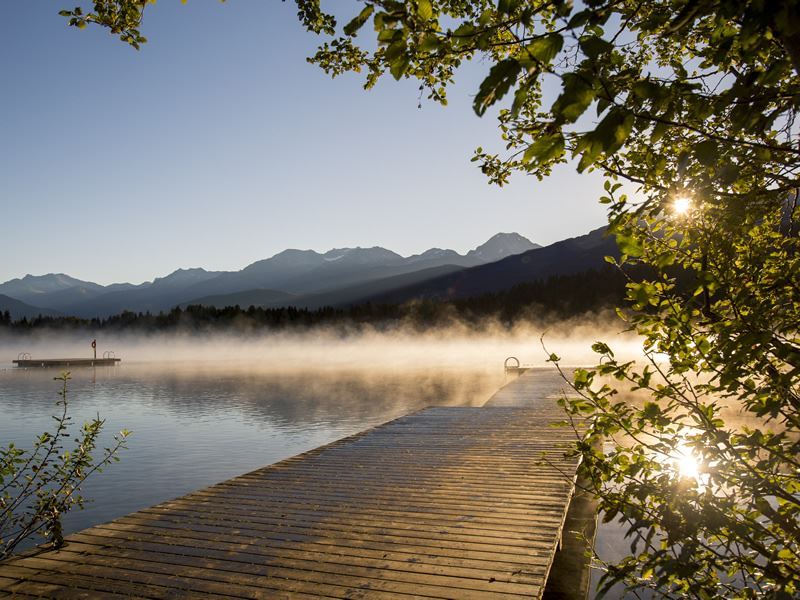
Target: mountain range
(302, 278)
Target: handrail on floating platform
(516, 368)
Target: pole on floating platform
(94, 347)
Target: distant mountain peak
(185, 277)
(512, 236)
(31, 286)
(502, 245)
(54, 277)
(437, 254)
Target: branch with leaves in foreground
(38, 486)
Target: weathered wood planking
(443, 503)
(537, 388)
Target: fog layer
(454, 347)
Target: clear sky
(217, 145)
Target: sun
(687, 465)
(681, 205)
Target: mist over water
(365, 348)
(204, 408)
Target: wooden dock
(66, 362)
(444, 503)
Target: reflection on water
(197, 425)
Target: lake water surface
(200, 423)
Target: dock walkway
(443, 503)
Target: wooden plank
(499, 521)
(222, 568)
(426, 539)
(415, 562)
(502, 525)
(464, 503)
(342, 542)
(53, 584)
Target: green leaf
(424, 9)
(545, 149)
(579, 19)
(486, 17)
(602, 105)
(463, 34)
(706, 152)
(651, 410)
(395, 50)
(520, 97)
(629, 244)
(358, 22)
(399, 66)
(614, 130)
(645, 89)
(430, 43)
(590, 149)
(658, 131)
(508, 7)
(594, 46)
(541, 50)
(387, 36)
(500, 79)
(575, 98)
(397, 57)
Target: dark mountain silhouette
(345, 296)
(292, 272)
(19, 309)
(357, 294)
(162, 294)
(32, 287)
(568, 257)
(308, 272)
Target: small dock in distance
(449, 502)
(25, 360)
(66, 362)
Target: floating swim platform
(66, 362)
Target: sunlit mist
(365, 348)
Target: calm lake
(200, 423)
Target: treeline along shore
(558, 297)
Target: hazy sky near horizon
(217, 145)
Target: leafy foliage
(121, 17)
(691, 99)
(38, 486)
